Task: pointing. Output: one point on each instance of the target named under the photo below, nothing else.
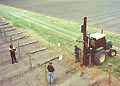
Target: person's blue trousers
(77, 58)
(51, 77)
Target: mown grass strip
(57, 28)
(45, 26)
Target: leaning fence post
(5, 36)
(30, 62)
(19, 53)
(46, 81)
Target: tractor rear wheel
(100, 57)
(112, 52)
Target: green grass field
(101, 13)
(56, 30)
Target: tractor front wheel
(100, 57)
(112, 52)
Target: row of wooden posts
(30, 60)
(19, 55)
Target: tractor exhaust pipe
(102, 31)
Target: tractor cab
(98, 42)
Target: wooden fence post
(109, 72)
(0, 33)
(46, 80)
(5, 36)
(30, 60)
(11, 41)
(19, 53)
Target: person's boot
(12, 62)
(16, 61)
(75, 61)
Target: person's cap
(50, 62)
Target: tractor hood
(108, 44)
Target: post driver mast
(85, 47)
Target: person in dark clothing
(77, 51)
(12, 53)
(51, 73)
